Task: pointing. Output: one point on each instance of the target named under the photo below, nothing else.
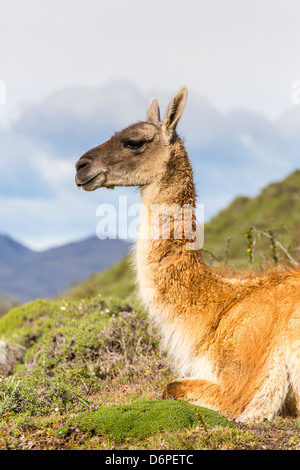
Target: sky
(74, 72)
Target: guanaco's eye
(134, 144)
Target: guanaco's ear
(174, 111)
(153, 113)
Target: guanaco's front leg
(197, 391)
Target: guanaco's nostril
(81, 164)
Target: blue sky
(75, 72)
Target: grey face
(135, 156)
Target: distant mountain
(26, 275)
(13, 256)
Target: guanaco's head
(136, 156)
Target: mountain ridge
(26, 274)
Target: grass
(276, 207)
(92, 377)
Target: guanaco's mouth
(93, 183)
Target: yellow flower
(272, 246)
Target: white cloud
(232, 153)
(237, 53)
(61, 62)
(19, 173)
(56, 172)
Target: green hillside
(275, 210)
(117, 281)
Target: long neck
(170, 269)
(169, 220)
(176, 185)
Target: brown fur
(238, 341)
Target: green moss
(144, 418)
